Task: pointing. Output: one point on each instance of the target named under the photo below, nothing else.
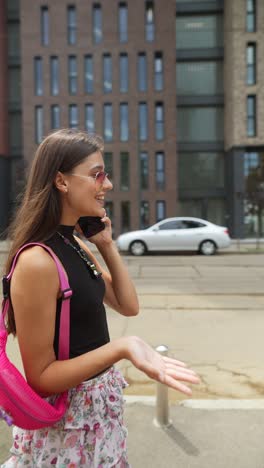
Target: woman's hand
(161, 368)
(104, 236)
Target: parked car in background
(171, 234)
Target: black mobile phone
(91, 225)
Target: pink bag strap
(64, 332)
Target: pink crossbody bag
(19, 403)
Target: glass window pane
(200, 124)
(108, 122)
(97, 24)
(108, 160)
(144, 170)
(160, 171)
(201, 171)
(123, 73)
(123, 19)
(54, 76)
(149, 21)
(88, 72)
(199, 77)
(72, 25)
(253, 203)
(158, 71)
(38, 76)
(251, 116)
(72, 74)
(142, 72)
(160, 210)
(14, 88)
(73, 116)
(196, 32)
(251, 64)
(89, 118)
(144, 214)
(123, 122)
(55, 117)
(251, 16)
(143, 121)
(159, 121)
(39, 123)
(107, 73)
(13, 42)
(125, 216)
(44, 25)
(124, 171)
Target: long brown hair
(39, 214)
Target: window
(251, 63)
(143, 121)
(160, 210)
(253, 202)
(149, 21)
(123, 73)
(125, 216)
(122, 17)
(123, 122)
(144, 214)
(108, 160)
(251, 16)
(170, 225)
(14, 88)
(158, 71)
(201, 171)
(72, 25)
(251, 116)
(142, 72)
(73, 116)
(38, 76)
(97, 24)
(108, 122)
(54, 76)
(124, 171)
(199, 78)
(89, 118)
(39, 122)
(160, 171)
(144, 170)
(55, 117)
(200, 124)
(107, 73)
(88, 74)
(72, 74)
(44, 25)
(199, 31)
(159, 121)
(13, 43)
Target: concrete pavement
(209, 311)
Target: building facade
(175, 89)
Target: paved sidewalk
(196, 439)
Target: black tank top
(88, 324)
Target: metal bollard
(162, 404)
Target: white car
(181, 233)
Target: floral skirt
(91, 434)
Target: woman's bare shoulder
(36, 260)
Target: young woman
(67, 181)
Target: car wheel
(207, 247)
(138, 248)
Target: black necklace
(91, 266)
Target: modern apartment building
(175, 89)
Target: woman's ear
(60, 182)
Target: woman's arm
(34, 292)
